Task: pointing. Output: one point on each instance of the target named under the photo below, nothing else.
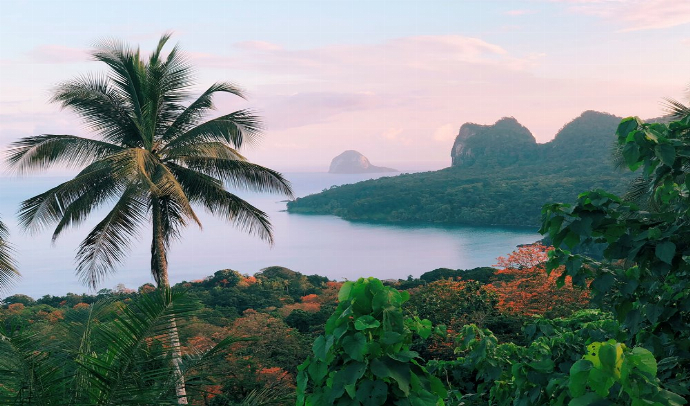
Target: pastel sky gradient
(391, 79)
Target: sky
(394, 80)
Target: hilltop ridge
(499, 175)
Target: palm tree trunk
(159, 268)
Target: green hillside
(500, 176)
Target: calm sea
(324, 245)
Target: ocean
(310, 244)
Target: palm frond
(195, 111)
(102, 107)
(101, 190)
(170, 188)
(32, 369)
(8, 267)
(127, 73)
(42, 151)
(108, 242)
(676, 109)
(241, 174)
(269, 396)
(211, 149)
(134, 165)
(135, 368)
(209, 192)
(48, 207)
(236, 129)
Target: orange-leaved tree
(530, 291)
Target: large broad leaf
(643, 360)
(372, 393)
(398, 371)
(579, 374)
(321, 347)
(366, 322)
(585, 400)
(666, 153)
(355, 346)
(666, 251)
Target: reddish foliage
(80, 306)
(531, 291)
(313, 298)
(15, 307)
(55, 316)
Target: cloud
(446, 132)
(635, 15)
(392, 133)
(423, 52)
(300, 109)
(257, 46)
(402, 99)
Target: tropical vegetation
(154, 156)
(547, 325)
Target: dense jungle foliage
(546, 326)
(280, 311)
(487, 191)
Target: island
(498, 176)
(353, 162)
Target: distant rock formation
(506, 141)
(354, 162)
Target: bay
(310, 244)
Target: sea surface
(310, 244)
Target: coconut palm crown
(154, 155)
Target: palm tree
(154, 156)
(109, 354)
(8, 269)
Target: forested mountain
(500, 176)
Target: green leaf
(644, 360)
(366, 322)
(544, 365)
(592, 354)
(631, 153)
(391, 337)
(344, 292)
(626, 126)
(317, 370)
(666, 153)
(321, 347)
(579, 374)
(353, 372)
(601, 381)
(665, 251)
(355, 346)
(438, 387)
(398, 371)
(385, 299)
(372, 393)
(585, 400)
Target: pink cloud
(398, 100)
(406, 98)
(257, 46)
(636, 15)
(302, 109)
